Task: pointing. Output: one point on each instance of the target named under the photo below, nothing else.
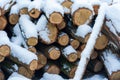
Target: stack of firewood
(56, 39)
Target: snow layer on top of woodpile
(83, 30)
(95, 2)
(111, 61)
(81, 4)
(68, 50)
(111, 1)
(16, 76)
(36, 4)
(85, 55)
(113, 14)
(54, 6)
(96, 77)
(42, 29)
(47, 76)
(60, 1)
(14, 9)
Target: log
(3, 22)
(101, 42)
(74, 43)
(70, 53)
(94, 55)
(28, 29)
(26, 72)
(32, 49)
(81, 14)
(47, 32)
(42, 60)
(2, 76)
(63, 39)
(78, 54)
(23, 11)
(16, 76)
(2, 58)
(62, 25)
(110, 60)
(95, 66)
(34, 8)
(53, 12)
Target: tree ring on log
(24, 11)
(4, 50)
(72, 57)
(33, 65)
(13, 19)
(32, 41)
(34, 13)
(75, 44)
(63, 40)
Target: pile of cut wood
(59, 39)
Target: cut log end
(4, 50)
(68, 5)
(72, 72)
(115, 76)
(24, 11)
(96, 8)
(13, 19)
(75, 44)
(54, 54)
(63, 40)
(53, 69)
(98, 67)
(34, 13)
(32, 49)
(101, 42)
(42, 61)
(72, 57)
(61, 25)
(32, 41)
(81, 16)
(3, 22)
(94, 55)
(56, 18)
(2, 58)
(33, 65)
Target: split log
(110, 60)
(101, 42)
(47, 32)
(63, 39)
(42, 60)
(53, 12)
(81, 12)
(34, 8)
(3, 22)
(16, 76)
(14, 14)
(74, 43)
(95, 66)
(2, 76)
(26, 72)
(88, 49)
(52, 69)
(28, 29)
(51, 52)
(70, 53)
(62, 25)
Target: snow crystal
(27, 26)
(111, 61)
(68, 50)
(49, 8)
(83, 30)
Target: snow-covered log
(47, 76)
(74, 43)
(63, 39)
(16, 76)
(70, 53)
(86, 53)
(82, 12)
(54, 11)
(35, 8)
(47, 32)
(28, 29)
(111, 62)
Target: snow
(111, 61)
(85, 55)
(36, 4)
(14, 9)
(15, 67)
(16, 76)
(27, 26)
(81, 4)
(55, 7)
(68, 50)
(60, 1)
(111, 1)
(42, 29)
(83, 30)
(95, 2)
(96, 77)
(112, 14)
(47, 76)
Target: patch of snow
(83, 30)
(14, 9)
